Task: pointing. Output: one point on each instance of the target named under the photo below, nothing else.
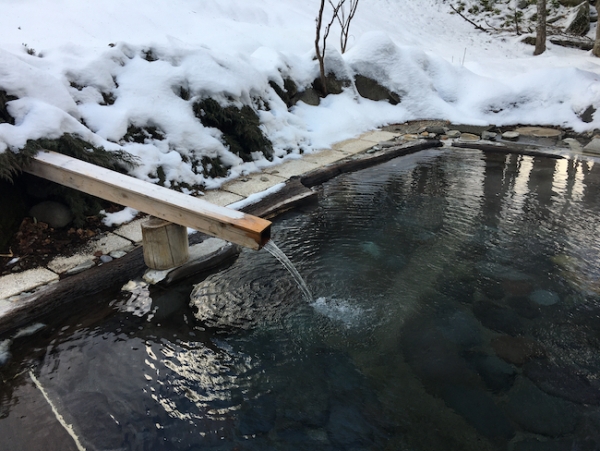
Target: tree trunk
(596, 49)
(540, 39)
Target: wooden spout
(231, 225)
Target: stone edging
(356, 154)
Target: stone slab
(254, 184)
(63, 264)
(539, 132)
(324, 157)
(131, 231)
(292, 168)
(105, 243)
(377, 136)
(593, 146)
(13, 284)
(353, 146)
(220, 197)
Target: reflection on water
(456, 307)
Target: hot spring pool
(456, 307)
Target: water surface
(455, 307)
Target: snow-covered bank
(97, 69)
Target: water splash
(272, 248)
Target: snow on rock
(100, 75)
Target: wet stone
(517, 350)
(544, 297)
(540, 413)
(433, 359)
(497, 375)
(461, 329)
(479, 409)
(452, 134)
(524, 307)
(547, 445)
(461, 290)
(510, 136)
(347, 427)
(497, 318)
(563, 382)
(492, 288)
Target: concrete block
(107, 243)
(292, 168)
(377, 136)
(13, 284)
(220, 197)
(324, 157)
(353, 146)
(63, 264)
(253, 184)
(132, 231)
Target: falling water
(272, 248)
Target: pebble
(453, 134)
(106, 258)
(544, 297)
(510, 136)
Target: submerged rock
(517, 350)
(479, 409)
(540, 413)
(563, 382)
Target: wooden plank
(231, 225)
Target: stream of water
(274, 250)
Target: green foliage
(141, 134)
(82, 205)
(5, 117)
(240, 127)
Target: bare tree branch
(478, 27)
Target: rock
(80, 268)
(517, 350)
(54, 214)
(106, 258)
(473, 129)
(524, 307)
(497, 375)
(453, 134)
(461, 329)
(334, 84)
(371, 89)
(479, 409)
(579, 21)
(488, 136)
(497, 318)
(573, 144)
(510, 136)
(469, 137)
(593, 146)
(539, 132)
(436, 129)
(432, 358)
(540, 413)
(563, 382)
(544, 297)
(310, 96)
(347, 427)
(548, 445)
(587, 115)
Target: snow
(67, 60)
(119, 217)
